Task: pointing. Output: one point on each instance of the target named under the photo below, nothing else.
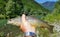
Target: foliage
(13, 8)
(7, 28)
(55, 15)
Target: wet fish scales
(32, 20)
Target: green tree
(13, 8)
(55, 15)
(2, 10)
(31, 6)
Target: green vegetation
(55, 15)
(14, 8)
(7, 28)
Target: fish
(33, 21)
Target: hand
(26, 26)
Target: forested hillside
(55, 15)
(13, 8)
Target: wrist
(29, 34)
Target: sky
(42, 1)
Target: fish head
(14, 21)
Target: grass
(7, 28)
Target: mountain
(33, 5)
(49, 5)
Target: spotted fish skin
(33, 21)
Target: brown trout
(33, 21)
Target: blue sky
(42, 1)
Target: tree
(13, 8)
(30, 6)
(55, 15)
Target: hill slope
(49, 5)
(55, 15)
(34, 6)
(13, 8)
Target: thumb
(23, 18)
